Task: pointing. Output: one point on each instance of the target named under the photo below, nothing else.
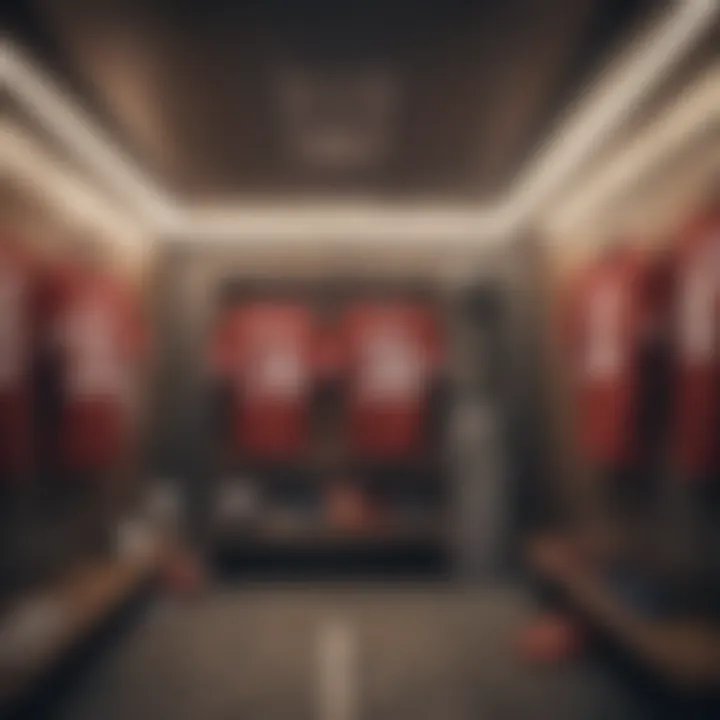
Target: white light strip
(696, 113)
(614, 98)
(23, 161)
(340, 223)
(41, 97)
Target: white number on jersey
(697, 322)
(95, 365)
(604, 341)
(392, 369)
(276, 372)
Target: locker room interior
(360, 360)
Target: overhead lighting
(23, 161)
(601, 113)
(341, 222)
(40, 96)
(695, 114)
(604, 108)
(613, 99)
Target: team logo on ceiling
(339, 118)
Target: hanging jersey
(608, 315)
(696, 347)
(392, 355)
(98, 336)
(266, 351)
(21, 311)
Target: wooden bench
(80, 601)
(684, 651)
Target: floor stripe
(337, 666)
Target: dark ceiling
(189, 87)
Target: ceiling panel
(191, 88)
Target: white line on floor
(337, 671)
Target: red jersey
(21, 315)
(607, 321)
(696, 346)
(267, 352)
(392, 353)
(99, 336)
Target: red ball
(550, 638)
(183, 575)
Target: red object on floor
(550, 638)
(183, 574)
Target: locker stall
(632, 539)
(343, 492)
(76, 362)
